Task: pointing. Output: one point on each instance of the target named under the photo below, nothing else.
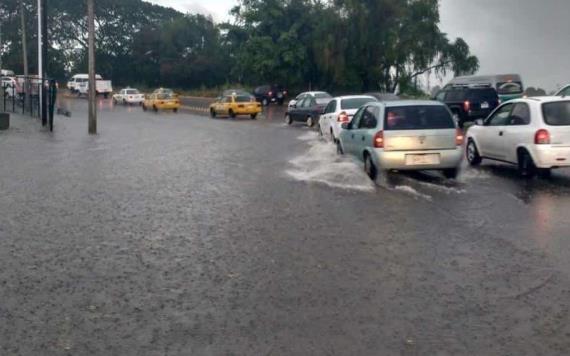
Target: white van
(79, 84)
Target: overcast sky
(529, 37)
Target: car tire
(175, 110)
(232, 114)
(288, 120)
(124, 102)
(264, 102)
(333, 139)
(310, 122)
(339, 149)
(144, 107)
(450, 173)
(369, 167)
(154, 108)
(526, 165)
(212, 113)
(115, 102)
(253, 116)
(106, 95)
(280, 102)
(472, 154)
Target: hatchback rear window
(482, 95)
(426, 117)
(322, 96)
(355, 103)
(132, 91)
(557, 114)
(510, 88)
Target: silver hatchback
(404, 135)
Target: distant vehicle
(383, 96)
(234, 92)
(315, 94)
(79, 84)
(533, 134)
(403, 135)
(338, 111)
(508, 86)
(77, 79)
(6, 73)
(267, 94)
(308, 110)
(565, 91)
(469, 103)
(234, 105)
(128, 96)
(162, 99)
(9, 85)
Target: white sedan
(532, 133)
(314, 94)
(128, 96)
(340, 110)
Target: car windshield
(355, 103)
(323, 101)
(557, 113)
(132, 91)
(422, 117)
(323, 96)
(164, 96)
(510, 88)
(243, 98)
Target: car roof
(355, 97)
(391, 104)
(541, 99)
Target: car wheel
(114, 102)
(232, 114)
(154, 108)
(369, 167)
(280, 102)
(265, 102)
(339, 149)
(144, 107)
(288, 120)
(526, 164)
(451, 173)
(253, 116)
(175, 110)
(332, 136)
(310, 122)
(472, 154)
(106, 95)
(124, 102)
(212, 113)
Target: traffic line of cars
(401, 135)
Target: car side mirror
(479, 122)
(346, 126)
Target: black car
(469, 103)
(267, 94)
(307, 110)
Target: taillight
(459, 137)
(542, 137)
(284, 92)
(270, 93)
(466, 105)
(343, 117)
(379, 139)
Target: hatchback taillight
(459, 137)
(270, 93)
(466, 105)
(542, 137)
(343, 117)
(379, 139)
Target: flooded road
(177, 234)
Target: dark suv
(469, 103)
(267, 94)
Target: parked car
(9, 86)
(308, 110)
(162, 99)
(565, 91)
(338, 111)
(533, 134)
(129, 96)
(267, 94)
(383, 96)
(234, 105)
(469, 103)
(315, 94)
(403, 135)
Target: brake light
(379, 139)
(459, 137)
(542, 137)
(284, 92)
(270, 93)
(343, 117)
(466, 105)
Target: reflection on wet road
(180, 234)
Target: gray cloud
(529, 37)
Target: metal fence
(22, 95)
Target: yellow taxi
(234, 104)
(162, 99)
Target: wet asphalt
(177, 234)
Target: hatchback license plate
(484, 105)
(421, 160)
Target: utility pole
(92, 83)
(40, 58)
(45, 63)
(25, 51)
